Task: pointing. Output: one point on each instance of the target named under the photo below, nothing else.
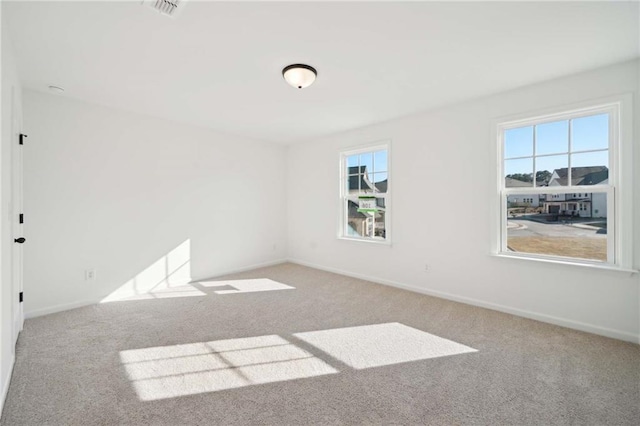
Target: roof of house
(359, 173)
(382, 185)
(592, 175)
(515, 183)
(353, 211)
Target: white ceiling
(219, 64)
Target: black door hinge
(22, 136)
(21, 218)
(21, 297)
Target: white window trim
(620, 195)
(342, 220)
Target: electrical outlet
(426, 267)
(90, 275)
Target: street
(527, 228)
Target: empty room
(320, 213)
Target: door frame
(17, 226)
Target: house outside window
(551, 158)
(365, 194)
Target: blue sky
(588, 133)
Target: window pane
(543, 176)
(518, 173)
(353, 184)
(380, 161)
(380, 181)
(366, 161)
(353, 170)
(366, 185)
(552, 137)
(356, 221)
(352, 161)
(590, 168)
(524, 203)
(366, 223)
(557, 165)
(589, 133)
(380, 227)
(518, 142)
(560, 225)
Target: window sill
(606, 267)
(367, 241)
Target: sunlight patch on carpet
(381, 344)
(173, 371)
(245, 286)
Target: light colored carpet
(290, 345)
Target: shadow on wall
(167, 277)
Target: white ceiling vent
(171, 8)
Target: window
(365, 193)
(550, 159)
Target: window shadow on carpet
(179, 370)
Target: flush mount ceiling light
(56, 89)
(170, 8)
(299, 75)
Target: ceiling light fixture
(170, 8)
(299, 75)
(56, 89)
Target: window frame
(618, 189)
(344, 196)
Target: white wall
(115, 191)
(10, 87)
(449, 151)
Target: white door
(17, 222)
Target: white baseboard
(59, 308)
(564, 322)
(7, 382)
(79, 304)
